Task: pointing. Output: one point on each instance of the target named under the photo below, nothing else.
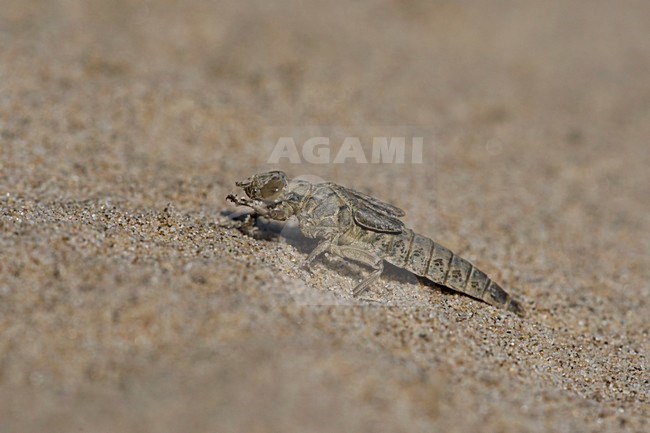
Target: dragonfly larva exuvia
(359, 227)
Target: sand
(130, 302)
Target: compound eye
(272, 189)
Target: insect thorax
(323, 214)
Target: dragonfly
(362, 228)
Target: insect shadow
(269, 230)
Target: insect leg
(320, 249)
(365, 257)
(240, 201)
(278, 211)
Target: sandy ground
(130, 303)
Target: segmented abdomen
(426, 258)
